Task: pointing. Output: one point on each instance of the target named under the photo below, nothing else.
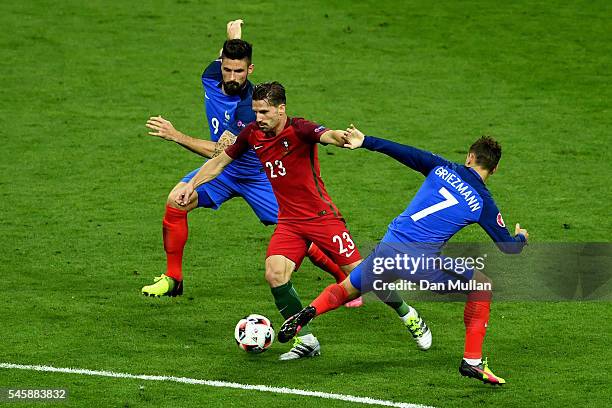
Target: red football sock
(331, 298)
(476, 318)
(324, 262)
(175, 235)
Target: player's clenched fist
(163, 128)
(234, 29)
(182, 194)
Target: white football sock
(473, 361)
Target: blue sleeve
(493, 224)
(213, 71)
(419, 160)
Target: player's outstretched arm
(419, 160)
(164, 129)
(209, 171)
(333, 137)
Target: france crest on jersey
(444, 204)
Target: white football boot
(418, 329)
(303, 346)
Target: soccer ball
(254, 333)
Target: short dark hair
(237, 49)
(273, 92)
(487, 152)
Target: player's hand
(234, 29)
(162, 128)
(353, 137)
(182, 195)
(522, 231)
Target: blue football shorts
(256, 191)
(411, 262)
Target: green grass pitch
(83, 190)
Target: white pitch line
(220, 384)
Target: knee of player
(171, 203)
(275, 280)
(480, 277)
(274, 275)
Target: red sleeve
(241, 145)
(309, 132)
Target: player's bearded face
(231, 87)
(235, 73)
(267, 116)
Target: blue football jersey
(232, 113)
(452, 197)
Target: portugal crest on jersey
(285, 143)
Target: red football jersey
(291, 163)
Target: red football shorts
(292, 239)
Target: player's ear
(250, 69)
(469, 159)
(281, 108)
